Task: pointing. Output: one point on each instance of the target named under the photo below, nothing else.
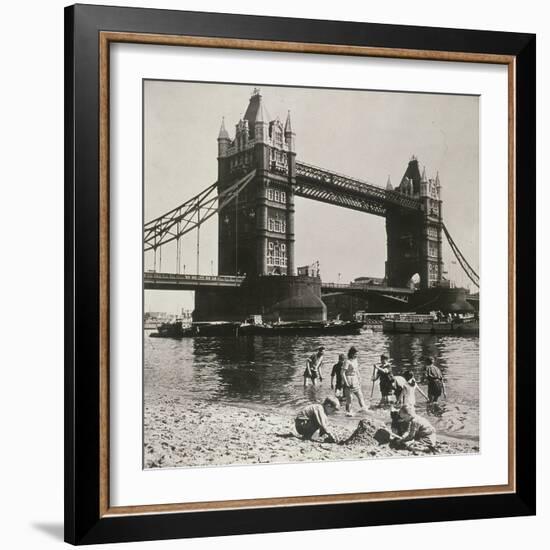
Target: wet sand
(179, 432)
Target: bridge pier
(447, 300)
(284, 298)
(345, 305)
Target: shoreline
(179, 432)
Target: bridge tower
(414, 239)
(256, 231)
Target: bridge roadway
(173, 281)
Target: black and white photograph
(275, 275)
(310, 274)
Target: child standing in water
(337, 374)
(352, 381)
(405, 389)
(434, 378)
(385, 375)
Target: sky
(369, 135)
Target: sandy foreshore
(179, 432)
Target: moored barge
(426, 324)
(255, 328)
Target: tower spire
(261, 115)
(224, 141)
(389, 186)
(223, 132)
(423, 177)
(288, 124)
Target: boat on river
(427, 324)
(169, 330)
(305, 328)
(255, 327)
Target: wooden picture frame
(89, 32)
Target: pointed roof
(413, 173)
(223, 132)
(288, 124)
(423, 177)
(437, 182)
(389, 186)
(256, 111)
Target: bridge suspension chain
(191, 214)
(468, 269)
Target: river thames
(266, 373)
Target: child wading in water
(405, 390)
(337, 374)
(313, 367)
(434, 377)
(385, 375)
(314, 417)
(352, 381)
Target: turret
(412, 174)
(404, 185)
(389, 186)
(224, 141)
(257, 118)
(424, 186)
(261, 126)
(289, 134)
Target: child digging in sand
(420, 434)
(314, 417)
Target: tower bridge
(253, 197)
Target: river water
(266, 372)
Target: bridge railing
(190, 277)
(376, 288)
(335, 285)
